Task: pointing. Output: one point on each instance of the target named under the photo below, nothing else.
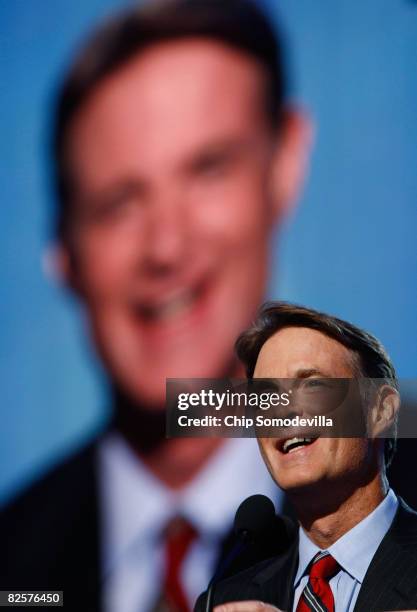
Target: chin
(301, 484)
(150, 397)
(300, 478)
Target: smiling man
(357, 544)
(176, 156)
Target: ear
(58, 265)
(383, 412)
(292, 156)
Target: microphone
(253, 517)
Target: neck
(174, 461)
(326, 522)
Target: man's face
(173, 162)
(325, 464)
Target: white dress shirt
(353, 552)
(135, 507)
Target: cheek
(102, 261)
(235, 210)
(238, 231)
(268, 451)
(351, 453)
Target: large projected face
(178, 181)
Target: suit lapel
(390, 582)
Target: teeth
(169, 308)
(174, 306)
(293, 443)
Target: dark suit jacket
(390, 582)
(50, 536)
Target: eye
(313, 383)
(212, 167)
(116, 204)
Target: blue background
(351, 249)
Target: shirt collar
(355, 549)
(136, 505)
(235, 472)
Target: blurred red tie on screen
(179, 535)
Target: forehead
(296, 349)
(193, 66)
(173, 93)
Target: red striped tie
(179, 537)
(317, 595)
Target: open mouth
(167, 309)
(170, 307)
(291, 445)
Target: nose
(294, 409)
(167, 239)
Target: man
(357, 544)
(175, 158)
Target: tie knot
(317, 594)
(323, 566)
(179, 535)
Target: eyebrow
(123, 186)
(227, 148)
(307, 372)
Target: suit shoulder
(61, 485)
(404, 526)
(44, 529)
(407, 510)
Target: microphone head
(253, 516)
